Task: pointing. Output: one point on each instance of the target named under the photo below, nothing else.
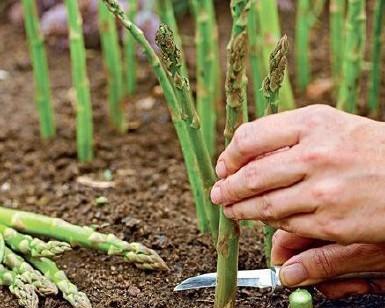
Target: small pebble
(4, 75)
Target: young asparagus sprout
(271, 86)
(129, 44)
(40, 69)
(25, 293)
(300, 298)
(34, 247)
(135, 253)
(70, 292)
(28, 274)
(375, 73)
(353, 56)
(236, 101)
(171, 57)
(112, 60)
(84, 126)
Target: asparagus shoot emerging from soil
(271, 33)
(84, 129)
(130, 51)
(337, 26)
(302, 30)
(375, 74)
(112, 60)
(236, 98)
(28, 274)
(353, 56)
(34, 247)
(70, 292)
(271, 86)
(167, 16)
(206, 70)
(32, 223)
(40, 69)
(256, 58)
(300, 298)
(25, 293)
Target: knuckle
(242, 138)
(315, 115)
(237, 214)
(327, 193)
(266, 209)
(323, 263)
(317, 156)
(251, 176)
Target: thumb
(324, 263)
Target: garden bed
(151, 201)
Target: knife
(261, 278)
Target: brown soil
(151, 203)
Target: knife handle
(360, 275)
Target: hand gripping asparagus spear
(35, 247)
(70, 292)
(271, 86)
(28, 274)
(25, 293)
(136, 253)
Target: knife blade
(261, 278)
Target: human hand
(311, 262)
(316, 171)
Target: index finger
(257, 138)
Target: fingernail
(294, 274)
(220, 169)
(216, 194)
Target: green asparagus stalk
(171, 57)
(2, 248)
(40, 69)
(271, 86)
(206, 71)
(84, 129)
(168, 90)
(316, 11)
(302, 31)
(353, 55)
(270, 29)
(130, 51)
(25, 293)
(256, 58)
(337, 21)
(31, 223)
(28, 274)
(112, 60)
(70, 292)
(34, 247)
(375, 74)
(300, 298)
(236, 96)
(167, 16)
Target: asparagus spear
(168, 90)
(271, 86)
(70, 292)
(236, 101)
(337, 18)
(35, 247)
(167, 16)
(171, 57)
(300, 298)
(255, 55)
(2, 248)
(206, 70)
(375, 74)
(112, 60)
(40, 69)
(353, 55)
(302, 43)
(25, 293)
(28, 274)
(270, 29)
(84, 130)
(130, 51)
(136, 253)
